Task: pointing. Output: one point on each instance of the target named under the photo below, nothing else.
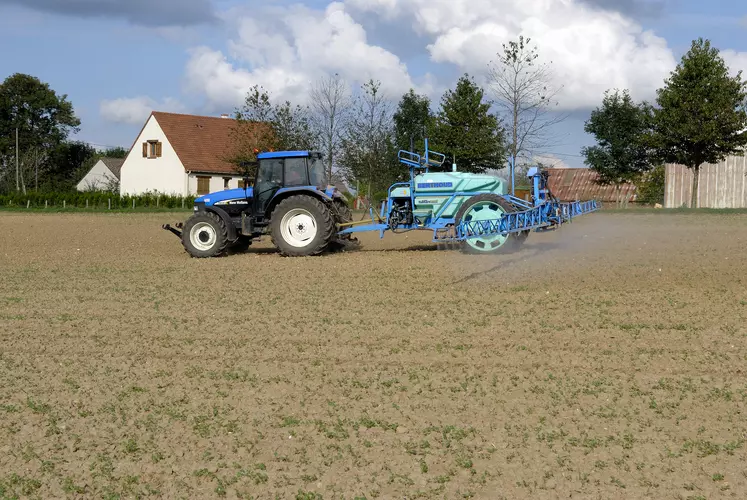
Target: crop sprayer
(292, 202)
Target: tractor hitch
(174, 229)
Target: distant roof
(571, 184)
(114, 165)
(202, 143)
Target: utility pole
(18, 182)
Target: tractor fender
(226, 220)
(287, 192)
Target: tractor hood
(224, 196)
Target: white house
(179, 154)
(103, 174)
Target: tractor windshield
(317, 172)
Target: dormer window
(152, 149)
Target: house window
(226, 180)
(152, 149)
(203, 185)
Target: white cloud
(135, 110)
(591, 50)
(737, 61)
(284, 49)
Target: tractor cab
(283, 171)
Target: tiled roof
(202, 143)
(571, 184)
(114, 165)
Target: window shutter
(158, 149)
(145, 150)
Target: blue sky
(116, 61)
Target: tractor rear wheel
(302, 225)
(484, 207)
(205, 235)
(343, 215)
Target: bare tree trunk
(696, 180)
(329, 101)
(23, 183)
(18, 186)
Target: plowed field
(605, 360)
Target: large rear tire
(302, 225)
(488, 207)
(205, 235)
(343, 215)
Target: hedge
(95, 200)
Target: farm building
(570, 184)
(182, 155)
(722, 185)
(103, 174)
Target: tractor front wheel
(205, 235)
(302, 225)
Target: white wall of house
(217, 182)
(164, 174)
(98, 177)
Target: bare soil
(605, 360)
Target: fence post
(28, 203)
(133, 203)
(110, 203)
(158, 198)
(182, 203)
(45, 203)
(86, 203)
(63, 203)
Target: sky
(117, 60)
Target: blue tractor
(292, 202)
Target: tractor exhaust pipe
(174, 230)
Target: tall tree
(525, 92)
(43, 120)
(466, 131)
(68, 163)
(330, 103)
(262, 125)
(368, 143)
(412, 121)
(620, 127)
(701, 115)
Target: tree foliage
(524, 91)
(262, 125)
(330, 105)
(620, 127)
(43, 119)
(701, 115)
(466, 131)
(412, 121)
(367, 157)
(650, 187)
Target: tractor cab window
(295, 172)
(317, 172)
(270, 173)
(269, 180)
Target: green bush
(651, 187)
(76, 199)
